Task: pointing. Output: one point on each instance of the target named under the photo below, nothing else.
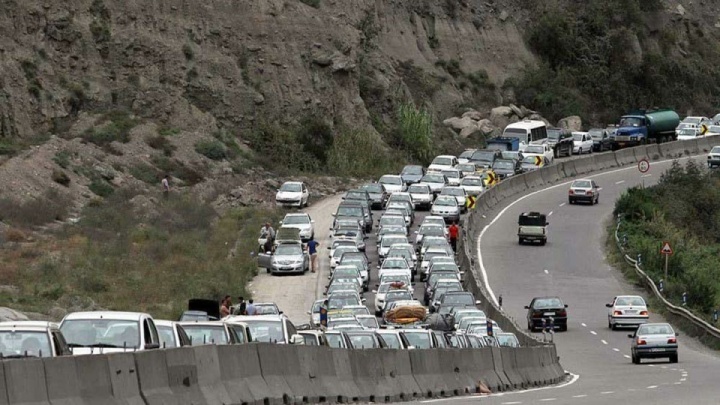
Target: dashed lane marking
(616, 349)
(646, 175)
(580, 396)
(604, 342)
(620, 182)
(548, 399)
(546, 271)
(677, 383)
(583, 325)
(511, 403)
(561, 204)
(607, 392)
(593, 332)
(626, 356)
(652, 387)
(550, 213)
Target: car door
(264, 260)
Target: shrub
(60, 177)
(168, 131)
(213, 149)
(15, 235)
(177, 169)
(145, 173)
(358, 153)
(311, 3)
(415, 132)
(101, 188)
(62, 158)
(50, 206)
(161, 143)
(117, 126)
(188, 52)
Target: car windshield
(345, 211)
(467, 154)
(266, 331)
(433, 230)
(508, 340)
(530, 159)
(288, 250)
(418, 189)
(393, 180)
(578, 136)
(630, 301)
(421, 340)
(452, 174)
(547, 303)
(655, 330)
(345, 272)
(398, 295)
(388, 241)
(373, 188)
(539, 150)
(447, 201)
(342, 301)
(291, 187)
(342, 249)
(21, 344)
(363, 341)
(392, 340)
(412, 170)
(631, 122)
(369, 322)
(499, 164)
(445, 266)
(334, 340)
(484, 156)
(336, 285)
(454, 191)
(355, 195)
(687, 132)
(334, 323)
(462, 299)
(392, 220)
(296, 219)
(391, 263)
(581, 184)
(472, 182)
(438, 276)
(467, 168)
(596, 133)
(715, 149)
(206, 334)
(433, 178)
(101, 333)
(553, 134)
(443, 161)
(167, 337)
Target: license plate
(657, 350)
(621, 143)
(549, 314)
(628, 312)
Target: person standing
(241, 307)
(225, 305)
(250, 309)
(312, 249)
(165, 182)
(453, 233)
(323, 314)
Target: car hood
(284, 258)
(623, 131)
(301, 227)
(288, 194)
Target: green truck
(645, 126)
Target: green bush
(213, 149)
(416, 133)
(101, 188)
(311, 3)
(145, 173)
(62, 158)
(161, 143)
(116, 126)
(357, 153)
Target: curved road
(572, 265)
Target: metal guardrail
(674, 309)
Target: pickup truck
(532, 227)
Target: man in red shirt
(453, 232)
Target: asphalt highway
(573, 266)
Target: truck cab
(532, 227)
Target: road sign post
(666, 250)
(643, 167)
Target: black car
(412, 174)
(485, 157)
(505, 168)
(561, 141)
(359, 196)
(367, 217)
(378, 195)
(601, 140)
(543, 311)
(450, 301)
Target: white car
(695, 120)
(434, 219)
(337, 254)
(454, 176)
(436, 181)
(395, 264)
(292, 194)
(543, 150)
(460, 195)
(404, 250)
(314, 312)
(687, 134)
(393, 183)
(23, 339)
(713, 130)
(427, 256)
(388, 241)
(338, 243)
(713, 158)
(348, 271)
(100, 332)
(447, 207)
(443, 162)
(431, 230)
(582, 143)
(302, 222)
(171, 334)
(584, 190)
(473, 185)
(422, 195)
(368, 321)
(627, 310)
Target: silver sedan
(654, 340)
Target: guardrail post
(684, 298)
(639, 259)
(715, 316)
(661, 285)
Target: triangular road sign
(666, 249)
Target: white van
(527, 131)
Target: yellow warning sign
(470, 202)
(538, 160)
(704, 129)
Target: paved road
(572, 265)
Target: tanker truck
(645, 126)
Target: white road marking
(511, 403)
(583, 325)
(677, 383)
(502, 212)
(683, 379)
(646, 175)
(548, 399)
(604, 342)
(663, 367)
(650, 365)
(616, 349)
(652, 387)
(620, 182)
(561, 204)
(579, 396)
(593, 332)
(626, 356)
(607, 392)
(546, 271)
(550, 213)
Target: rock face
(571, 123)
(8, 314)
(472, 124)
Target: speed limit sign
(644, 165)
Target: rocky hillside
(97, 95)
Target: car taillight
(641, 342)
(644, 313)
(617, 312)
(588, 193)
(672, 340)
(537, 315)
(562, 313)
(570, 192)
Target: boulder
(486, 127)
(9, 314)
(474, 115)
(501, 116)
(470, 131)
(571, 123)
(517, 111)
(459, 123)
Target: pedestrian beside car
(241, 308)
(312, 250)
(269, 232)
(225, 305)
(453, 233)
(251, 309)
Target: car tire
(674, 358)
(635, 359)
(530, 327)
(543, 242)
(570, 201)
(612, 326)
(563, 328)
(520, 241)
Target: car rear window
(547, 303)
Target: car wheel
(635, 359)
(378, 313)
(530, 327)
(674, 358)
(543, 242)
(267, 270)
(563, 328)
(520, 241)
(570, 201)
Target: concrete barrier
(325, 377)
(25, 382)
(583, 165)
(625, 157)
(153, 377)
(551, 174)
(653, 152)
(368, 374)
(691, 147)
(673, 150)
(241, 376)
(209, 376)
(510, 368)
(490, 196)
(275, 367)
(61, 381)
(183, 376)
(482, 368)
(499, 368)
(640, 153)
(93, 375)
(533, 179)
(704, 144)
(426, 370)
(125, 388)
(510, 187)
(396, 364)
(604, 161)
(344, 374)
(713, 140)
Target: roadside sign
(470, 202)
(643, 165)
(666, 249)
(703, 129)
(491, 177)
(538, 160)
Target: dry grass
(124, 263)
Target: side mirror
(280, 312)
(677, 334)
(329, 248)
(631, 336)
(609, 305)
(280, 222)
(309, 312)
(566, 305)
(363, 300)
(312, 221)
(547, 223)
(527, 307)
